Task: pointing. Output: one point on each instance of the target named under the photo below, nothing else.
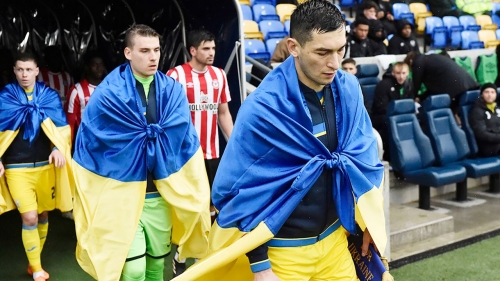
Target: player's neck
(198, 67)
(93, 81)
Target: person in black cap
(485, 121)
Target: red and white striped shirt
(59, 81)
(77, 100)
(205, 91)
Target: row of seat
(465, 32)
(281, 12)
(265, 29)
(257, 49)
(452, 158)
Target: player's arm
(225, 119)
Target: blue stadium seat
(466, 103)
(411, 157)
(497, 33)
(287, 26)
(264, 12)
(469, 23)
(272, 29)
(271, 44)
(368, 79)
(256, 49)
(402, 11)
(449, 142)
(470, 40)
(247, 12)
(454, 30)
(436, 31)
(255, 2)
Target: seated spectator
(376, 13)
(349, 65)
(280, 53)
(441, 8)
(439, 74)
(377, 34)
(359, 43)
(395, 85)
(484, 120)
(403, 41)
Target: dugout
(78, 26)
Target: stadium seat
(489, 38)
(436, 32)
(348, 4)
(256, 2)
(421, 12)
(287, 26)
(256, 49)
(497, 33)
(454, 30)
(271, 44)
(245, 2)
(469, 23)
(285, 11)
(411, 157)
(470, 40)
(450, 144)
(368, 79)
(247, 12)
(264, 12)
(494, 18)
(466, 104)
(402, 11)
(272, 29)
(251, 30)
(486, 22)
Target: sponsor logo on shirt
(203, 97)
(203, 106)
(215, 84)
(189, 85)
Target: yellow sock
(31, 241)
(43, 229)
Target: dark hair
(25, 56)
(198, 36)
(90, 55)
(359, 21)
(349, 60)
(141, 30)
(319, 16)
(369, 4)
(410, 57)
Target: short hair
(400, 64)
(359, 21)
(410, 57)
(369, 5)
(141, 30)
(349, 60)
(198, 36)
(90, 55)
(319, 16)
(25, 56)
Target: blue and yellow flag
(43, 112)
(114, 149)
(272, 160)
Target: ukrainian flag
(43, 112)
(272, 160)
(114, 150)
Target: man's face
(205, 53)
(489, 95)
(370, 14)
(26, 73)
(361, 31)
(350, 67)
(144, 55)
(406, 31)
(318, 60)
(400, 73)
(96, 68)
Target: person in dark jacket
(359, 43)
(377, 34)
(440, 74)
(403, 41)
(375, 12)
(484, 120)
(394, 86)
(441, 8)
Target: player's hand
(367, 240)
(265, 275)
(57, 158)
(2, 169)
(390, 17)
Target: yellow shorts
(32, 188)
(328, 259)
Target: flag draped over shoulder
(115, 148)
(43, 112)
(272, 160)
